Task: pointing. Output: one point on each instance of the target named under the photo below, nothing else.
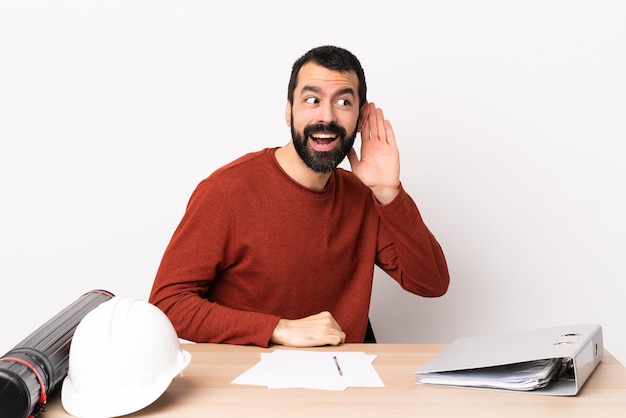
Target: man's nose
(326, 113)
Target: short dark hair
(332, 58)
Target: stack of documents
(325, 370)
(528, 375)
(547, 361)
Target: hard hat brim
(115, 401)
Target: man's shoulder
(256, 157)
(239, 171)
(347, 179)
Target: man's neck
(292, 164)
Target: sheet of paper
(283, 369)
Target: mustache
(331, 128)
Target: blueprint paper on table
(283, 369)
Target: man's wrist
(385, 195)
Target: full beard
(322, 161)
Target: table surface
(204, 390)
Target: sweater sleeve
(201, 247)
(408, 251)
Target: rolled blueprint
(38, 364)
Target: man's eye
(343, 102)
(311, 100)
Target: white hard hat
(123, 356)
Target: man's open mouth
(323, 139)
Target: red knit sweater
(254, 246)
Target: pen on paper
(337, 364)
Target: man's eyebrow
(347, 90)
(312, 89)
(317, 90)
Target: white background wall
(510, 116)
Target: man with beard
(279, 246)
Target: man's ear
(363, 114)
(288, 114)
